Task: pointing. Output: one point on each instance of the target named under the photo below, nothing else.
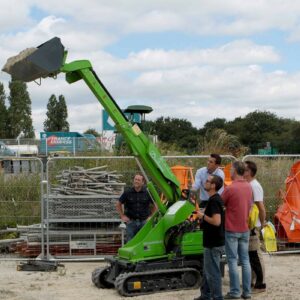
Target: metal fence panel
(80, 214)
(86, 223)
(20, 203)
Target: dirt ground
(283, 282)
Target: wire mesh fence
(21, 190)
(77, 197)
(80, 213)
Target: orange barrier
(227, 180)
(287, 217)
(186, 179)
(184, 176)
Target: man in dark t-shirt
(213, 240)
(135, 206)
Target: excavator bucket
(33, 63)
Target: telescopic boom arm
(48, 60)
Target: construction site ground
(74, 282)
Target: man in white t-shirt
(255, 255)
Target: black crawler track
(148, 282)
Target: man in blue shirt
(213, 168)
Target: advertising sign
(54, 140)
(107, 123)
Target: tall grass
(19, 199)
(20, 195)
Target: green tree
(19, 110)
(57, 115)
(62, 113)
(259, 127)
(236, 126)
(217, 123)
(179, 132)
(50, 122)
(294, 143)
(3, 113)
(92, 131)
(147, 126)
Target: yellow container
(269, 237)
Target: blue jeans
(236, 246)
(132, 228)
(211, 287)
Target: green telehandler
(167, 253)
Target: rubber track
(97, 280)
(122, 278)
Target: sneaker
(246, 296)
(229, 296)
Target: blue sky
(194, 59)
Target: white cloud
(208, 17)
(226, 92)
(198, 94)
(14, 14)
(193, 82)
(231, 88)
(234, 53)
(81, 115)
(155, 21)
